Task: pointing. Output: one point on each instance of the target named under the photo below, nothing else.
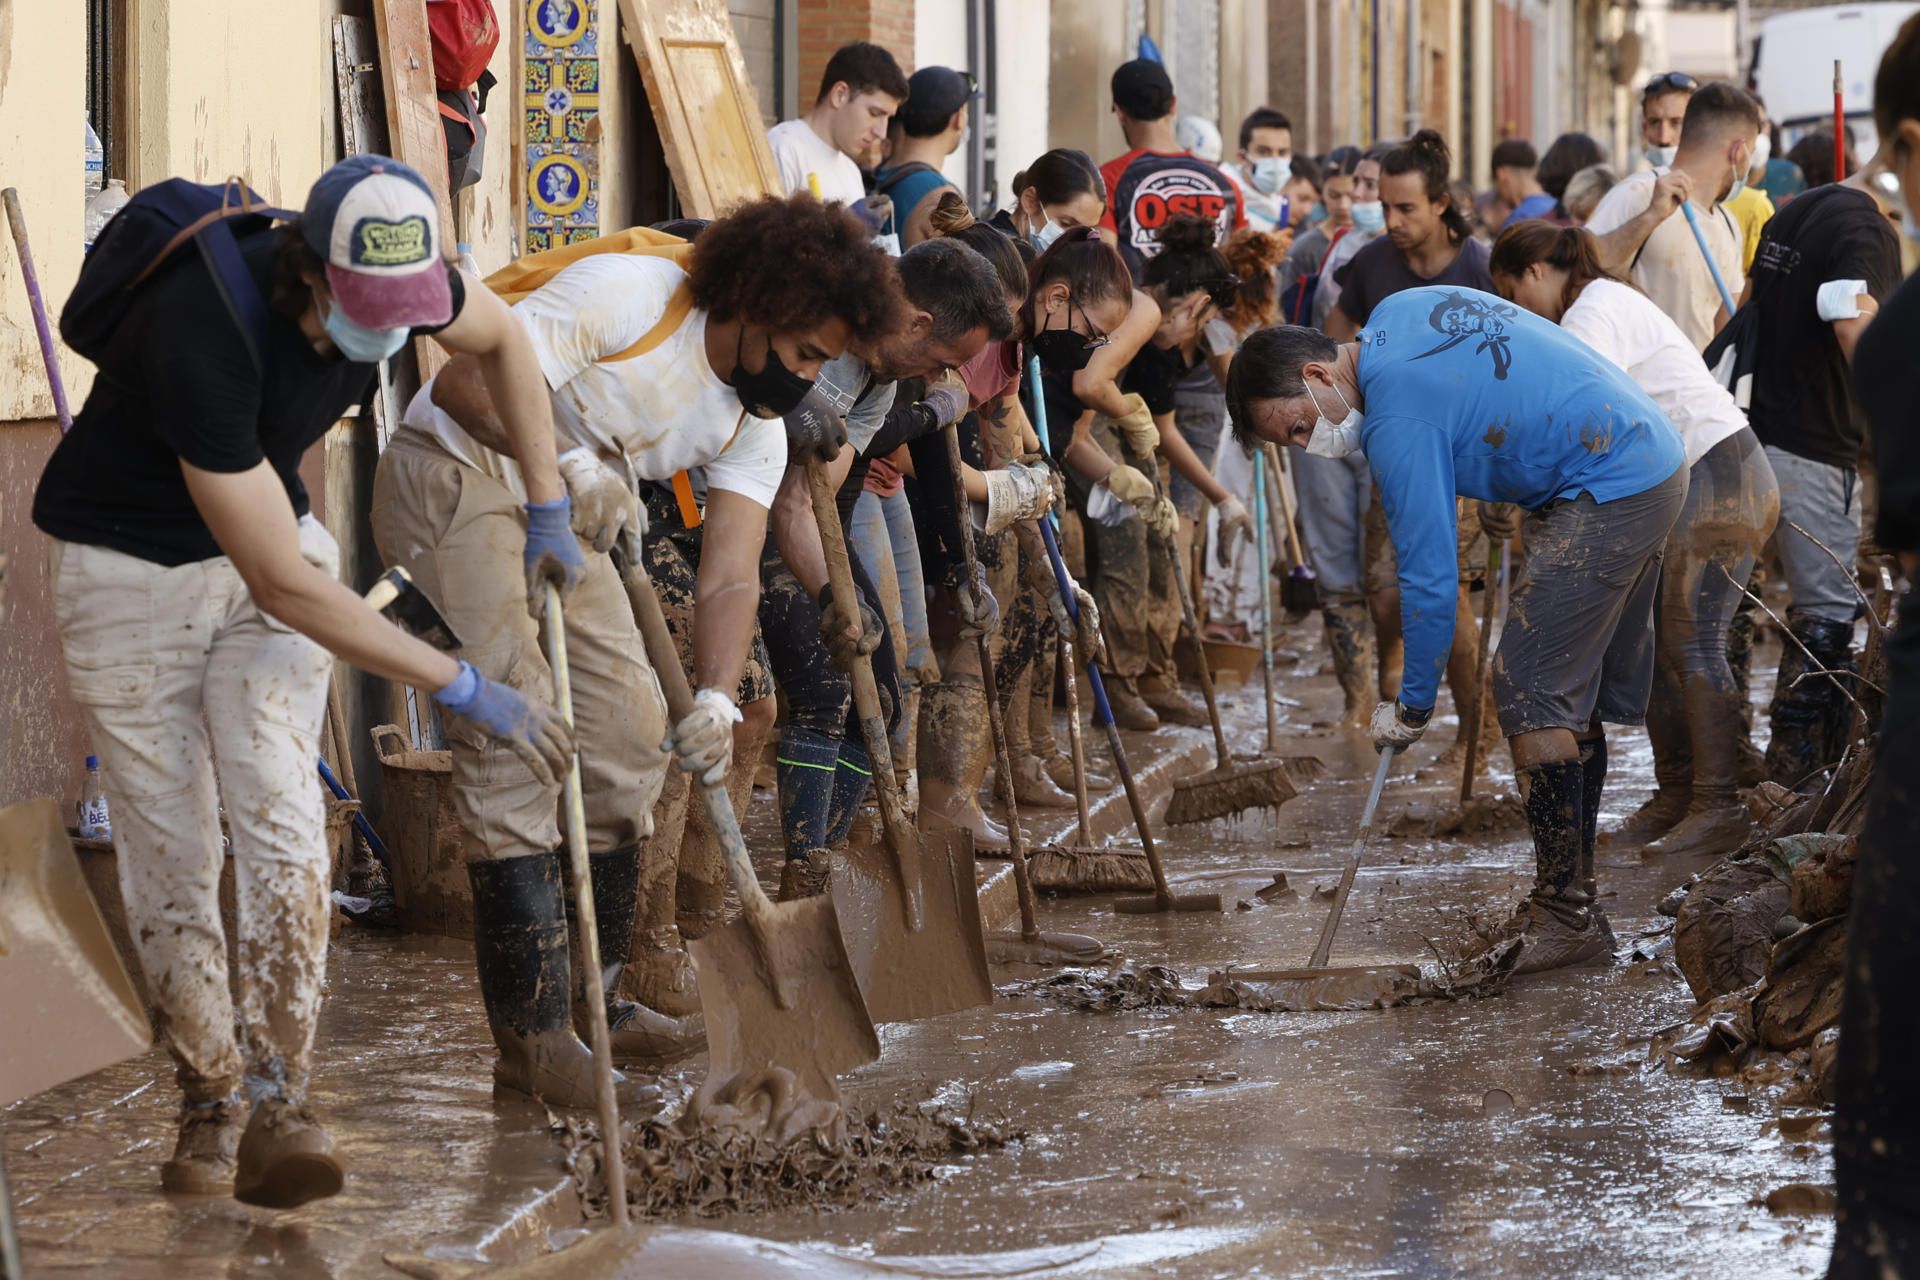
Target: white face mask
(1334, 439)
(1661, 158)
(1762, 152)
(1049, 232)
(1269, 173)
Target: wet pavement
(1522, 1135)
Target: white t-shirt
(1669, 268)
(665, 408)
(799, 151)
(1622, 324)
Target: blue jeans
(888, 545)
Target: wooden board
(414, 135)
(703, 103)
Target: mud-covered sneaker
(1060, 769)
(1561, 938)
(286, 1158)
(1172, 703)
(805, 876)
(1130, 710)
(204, 1153)
(1653, 819)
(1710, 831)
(639, 1034)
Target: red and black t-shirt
(1146, 188)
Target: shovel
(1029, 946)
(66, 1001)
(1300, 589)
(913, 908)
(776, 985)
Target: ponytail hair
(1570, 249)
(952, 220)
(1060, 175)
(1092, 268)
(1426, 154)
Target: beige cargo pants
(195, 700)
(462, 535)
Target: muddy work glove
(1395, 728)
(1499, 520)
(603, 502)
(1162, 517)
(1018, 492)
(979, 611)
(553, 553)
(1084, 632)
(1124, 494)
(946, 400)
(815, 431)
(703, 740)
(848, 633)
(532, 730)
(1234, 524)
(1136, 427)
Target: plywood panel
(703, 102)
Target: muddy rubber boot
(659, 972)
(1060, 769)
(635, 1032)
(1560, 929)
(1033, 787)
(806, 876)
(286, 1158)
(520, 952)
(955, 752)
(205, 1151)
(1130, 710)
(852, 783)
(1593, 781)
(1657, 815)
(1171, 703)
(1810, 721)
(1350, 640)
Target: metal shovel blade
(66, 1001)
(909, 972)
(782, 995)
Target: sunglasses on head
(1670, 82)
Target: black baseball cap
(1143, 89)
(933, 95)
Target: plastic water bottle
(96, 160)
(106, 202)
(469, 266)
(94, 822)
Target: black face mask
(1062, 350)
(775, 391)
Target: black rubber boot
(1810, 717)
(520, 951)
(635, 1032)
(1593, 780)
(1561, 929)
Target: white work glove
(1085, 634)
(1839, 299)
(1017, 492)
(703, 740)
(603, 502)
(1234, 525)
(976, 604)
(1162, 517)
(1391, 732)
(1136, 426)
(1122, 495)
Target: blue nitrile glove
(553, 553)
(533, 731)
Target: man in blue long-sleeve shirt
(1450, 391)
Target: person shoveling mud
(1475, 397)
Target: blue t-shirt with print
(1466, 394)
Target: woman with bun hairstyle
(1061, 191)
(1694, 713)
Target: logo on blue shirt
(1462, 317)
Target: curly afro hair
(794, 265)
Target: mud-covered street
(1527, 1133)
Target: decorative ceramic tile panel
(560, 102)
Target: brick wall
(825, 25)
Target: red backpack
(464, 34)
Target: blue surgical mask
(1317, 216)
(1369, 216)
(1269, 173)
(1661, 158)
(1049, 232)
(357, 342)
(1739, 179)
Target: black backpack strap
(897, 176)
(237, 287)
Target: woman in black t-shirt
(200, 611)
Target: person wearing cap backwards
(1449, 391)
(200, 609)
(653, 370)
(1157, 178)
(930, 127)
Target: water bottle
(96, 160)
(94, 822)
(106, 202)
(469, 266)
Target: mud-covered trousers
(1876, 1129)
(1133, 583)
(196, 699)
(462, 535)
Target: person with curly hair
(668, 366)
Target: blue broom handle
(360, 822)
(1700, 238)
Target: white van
(1792, 69)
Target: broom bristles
(1235, 788)
(1060, 869)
